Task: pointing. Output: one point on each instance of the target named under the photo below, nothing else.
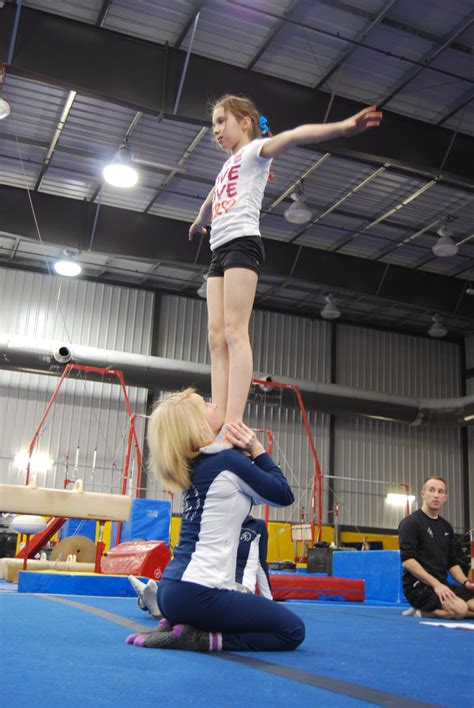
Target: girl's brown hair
(241, 107)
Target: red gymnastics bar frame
(54, 524)
(317, 483)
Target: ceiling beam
(345, 54)
(124, 233)
(413, 72)
(50, 48)
(271, 36)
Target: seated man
(427, 554)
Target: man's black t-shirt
(430, 542)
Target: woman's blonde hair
(241, 107)
(176, 430)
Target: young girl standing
(233, 209)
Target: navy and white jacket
(252, 568)
(224, 487)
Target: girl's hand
(368, 118)
(243, 437)
(196, 227)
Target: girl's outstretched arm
(203, 218)
(318, 132)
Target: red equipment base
(296, 586)
(147, 559)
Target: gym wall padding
(149, 521)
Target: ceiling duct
(41, 356)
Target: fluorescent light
(40, 461)
(120, 173)
(67, 267)
(330, 310)
(399, 499)
(468, 418)
(4, 109)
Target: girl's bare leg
(240, 286)
(217, 343)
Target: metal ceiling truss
(462, 101)
(449, 215)
(128, 234)
(273, 33)
(189, 23)
(411, 197)
(345, 54)
(394, 24)
(54, 141)
(428, 59)
(178, 168)
(341, 38)
(52, 50)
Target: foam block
(92, 584)
(145, 558)
(381, 570)
(297, 586)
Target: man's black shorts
(423, 597)
(245, 252)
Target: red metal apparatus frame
(317, 484)
(36, 542)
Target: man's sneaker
(411, 612)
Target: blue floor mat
(61, 655)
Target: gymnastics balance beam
(71, 504)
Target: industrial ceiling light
(298, 212)
(437, 329)
(67, 265)
(445, 246)
(5, 109)
(202, 292)
(120, 173)
(330, 311)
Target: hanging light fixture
(67, 266)
(298, 212)
(120, 172)
(330, 310)
(445, 246)
(437, 329)
(202, 291)
(5, 109)
(470, 289)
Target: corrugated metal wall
(87, 414)
(118, 318)
(282, 346)
(389, 452)
(470, 391)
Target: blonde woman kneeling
(202, 612)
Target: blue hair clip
(263, 124)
